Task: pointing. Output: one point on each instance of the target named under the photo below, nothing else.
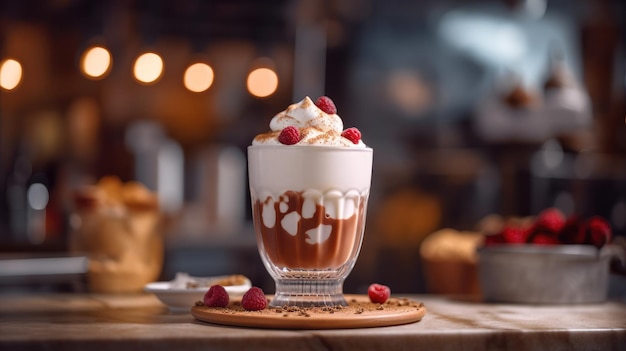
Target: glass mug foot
(308, 293)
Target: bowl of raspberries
(548, 259)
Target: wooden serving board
(360, 313)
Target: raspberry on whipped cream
(317, 128)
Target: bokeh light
(96, 62)
(10, 74)
(262, 82)
(198, 77)
(148, 68)
(38, 196)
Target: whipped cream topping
(316, 127)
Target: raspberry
(325, 104)
(352, 134)
(216, 296)
(545, 239)
(378, 293)
(254, 299)
(598, 231)
(551, 220)
(514, 235)
(289, 135)
(573, 231)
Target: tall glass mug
(309, 207)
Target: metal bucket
(540, 274)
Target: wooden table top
(120, 322)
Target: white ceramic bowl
(180, 298)
(542, 274)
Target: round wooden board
(360, 313)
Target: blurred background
(472, 107)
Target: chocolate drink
(315, 241)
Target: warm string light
(198, 77)
(148, 68)
(262, 82)
(96, 63)
(10, 74)
(262, 79)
